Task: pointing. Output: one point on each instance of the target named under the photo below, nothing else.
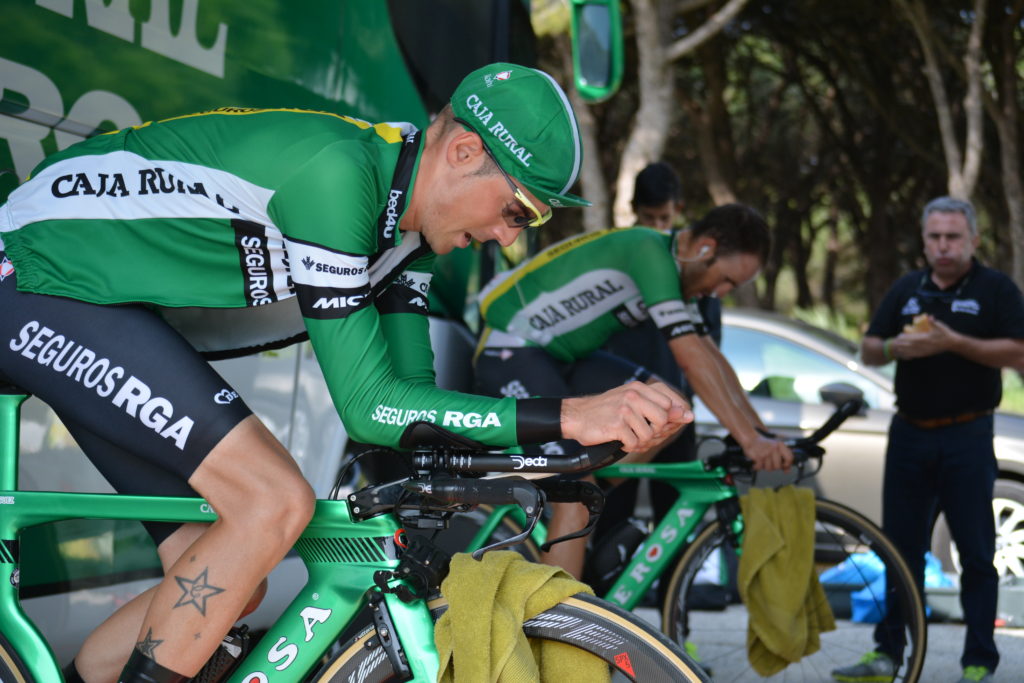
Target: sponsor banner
(668, 313)
(126, 186)
(263, 262)
(65, 356)
(394, 261)
(573, 305)
(324, 303)
(317, 266)
(632, 313)
(407, 294)
(398, 195)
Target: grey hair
(951, 205)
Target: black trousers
(953, 470)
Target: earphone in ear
(700, 254)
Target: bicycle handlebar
(505, 491)
(732, 459)
(437, 449)
(466, 461)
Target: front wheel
(633, 650)
(11, 668)
(718, 638)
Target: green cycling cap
(525, 119)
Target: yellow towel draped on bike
(786, 604)
(480, 637)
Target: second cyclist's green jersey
(249, 229)
(571, 297)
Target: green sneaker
(691, 650)
(972, 674)
(874, 667)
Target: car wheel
(1008, 508)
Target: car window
(774, 367)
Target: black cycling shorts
(140, 401)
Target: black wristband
(538, 420)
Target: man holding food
(950, 328)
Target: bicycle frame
(698, 490)
(340, 555)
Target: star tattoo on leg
(196, 591)
(148, 644)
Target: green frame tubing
(340, 555)
(698, 490)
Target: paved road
(942, 663)
(946, 641)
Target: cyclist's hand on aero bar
(640, 416)
(768, 454)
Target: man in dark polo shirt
(950, 328)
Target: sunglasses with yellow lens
(519, 214)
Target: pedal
(226, 658)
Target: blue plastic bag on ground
(858, 569)
(867, 604)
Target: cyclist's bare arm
(732, 383)
(702, 372)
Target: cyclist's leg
(529, 371)
(128, 377)
(645, 345)
(106, 650)
(597, 372)
(259, 517)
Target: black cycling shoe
(227, 657)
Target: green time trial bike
(691, 553)
(358, 561)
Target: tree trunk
(963, 168)
(649, 133)
(654, 111)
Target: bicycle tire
(11, 668)
(721, 647)
(634, 650)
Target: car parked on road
(783, 363)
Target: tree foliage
(825, 117)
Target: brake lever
(561, 491)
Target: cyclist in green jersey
(547, 319)
(128, 254)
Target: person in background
(657, 196)
(657, 203)
(547, 319)
(950, 327)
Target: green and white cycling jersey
(571, 297)
(250, 229)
